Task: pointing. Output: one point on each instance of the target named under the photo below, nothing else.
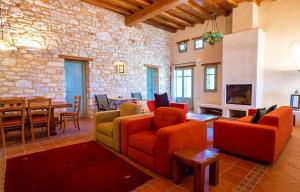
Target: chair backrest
(12, 107)
(167, 116)
(130, 109)
(102, 102)
(39, 106)
(77, 101)
(137, 96)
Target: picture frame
(120, 67)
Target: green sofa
(107, 124)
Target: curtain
(173, 83)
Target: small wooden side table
(198, 160)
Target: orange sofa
(184, 106)
(151, 140)
(262, 141)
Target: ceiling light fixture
(214, 35)
(4, 45)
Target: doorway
(152, 82)
(75, 83)
(184, 86)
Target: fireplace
(239, 94)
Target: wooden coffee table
(202, 117)
(198, 160)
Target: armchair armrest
(183, 106)
(117, 130)
(191, 134)
(104, 116)
(134, 125)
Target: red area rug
(81, 167)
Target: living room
(129, 57)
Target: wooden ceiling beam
(125, 5)
(151, 11)
(232, 3)
(155, 24)
(142, 3)
(176, 19)
(195, 6)
(186, 14)
(164, 21)
(166, 15)
(106, 5)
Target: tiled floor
(236, 174)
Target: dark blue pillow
(270, 109)
(161, 100)
(259, 113)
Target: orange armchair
(151, 140)
(184, 106)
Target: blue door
(152, 82)
(75, 84)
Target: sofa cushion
(106, 128)
(246, 119)
(167, 116)
(144, 106)
(129, 109)
(259, 113)
(270, 109)
(144, 141)
(161, 100)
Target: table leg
(214, 173)
(177, 168)
(52, 123)
(199, 178)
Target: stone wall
(75, 28)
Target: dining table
(54, 120)
(54, 105)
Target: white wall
(280, 21)
(243, 64)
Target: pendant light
(4, 45)
(214, 35)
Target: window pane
(210, 70)
(187, 87)
(210, 78)
(187, 72)
(199, 44)
(178, 73)
(179, 87)
(211, 82)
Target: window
(198, 43)
(182, 46)
(184, 83)
(210, 78)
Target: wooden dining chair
(137, 96)
(12, 117)
(103, 103)
(73, 115)
(39, 114)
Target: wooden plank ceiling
(170, 15)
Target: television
(239, 94)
